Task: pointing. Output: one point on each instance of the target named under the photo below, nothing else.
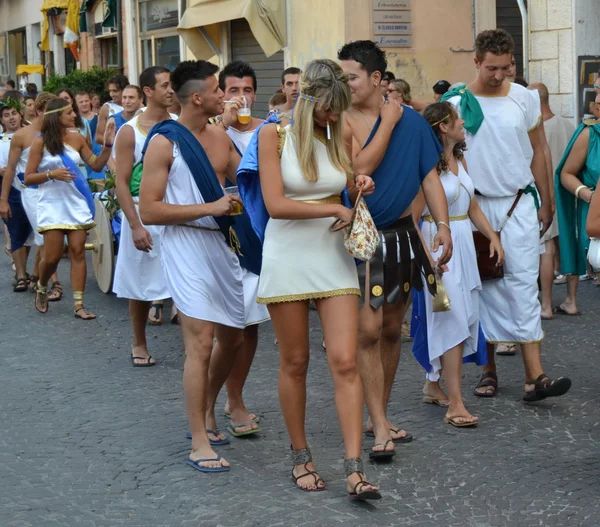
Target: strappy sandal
(157, 316)
(547, 387)
(86, 315)
(56, 292)
(487, 379)
(33, 280)
(355, 465)
(20, 285)
(304, 457)
(41, 297)
(379, 455)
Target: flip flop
(231, 428)
(195, 464)
(146, 364)
(382, 454)
(256, 419)
(511, 350)
(406, 439)
(212, 442)
(561, 311)
(158, 314)
(452, 421)
(443, 403)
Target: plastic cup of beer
(238, 208)
(244, 116)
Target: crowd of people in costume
(231, 217)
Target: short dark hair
(367, 53)
(495, 41)
(28, 98)
(11, 83)
(136, 88)
(148, 76)
(13, 94)
(290, 71)
(388, 76)
(238, 69)
(31, 87)
(190, 70)
(120, 81)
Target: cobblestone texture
(88, 441)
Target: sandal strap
(308, 473)
(302, 456)
(353, 465)
(362, 483)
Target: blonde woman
(303, 169)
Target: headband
(309, 97)
(58, 110)
(440, 121)
(10, 103)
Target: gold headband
(57, 110)
(309, 97)
(440, 121)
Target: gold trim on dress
(281, 133)
(536, 124)
(514, 341)
(308, 296)
(67, 227)
(462, 217)
(329, 200)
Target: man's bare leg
(490, 367)
(235, 382)
(198, 340)
(547, 278)
(19, 258)
(370, 368)
(569, 305)
(532, 361)
(229, 342)
(138, 311)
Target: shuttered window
(268, 69)
(508, 17)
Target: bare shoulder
(125, 136)
(583, 139)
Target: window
(110, 52)
(158, 20)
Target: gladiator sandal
(355, 466)
(80, 311)
(304, 457)
(41, 298)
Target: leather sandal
(355, 465)
(547, 387)
(304, 457)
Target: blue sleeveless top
(119, 119)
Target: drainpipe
(525, 20)
(119, 19)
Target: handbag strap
(512, 209)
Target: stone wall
(551, 51)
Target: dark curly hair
(239, 70)
(496, 41)
(437, 114)
(367, 53)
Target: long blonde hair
(326, 86)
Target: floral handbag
(360, 235)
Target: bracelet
(49, 175)
(107, 145)
(444, 224)
(579, 189)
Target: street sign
(394, 42)
(392, 29)
(398, 5)
(392, 23)
(392, 17)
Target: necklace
(369, 125)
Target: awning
(199, 26)
(30, 69)
(71, 34)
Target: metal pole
(119, 19)
(525, 20)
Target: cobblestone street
(87, 440)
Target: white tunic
(448, 329)
(60, 205)
(303, 259)
(29, 197)
(113, 108)
(139, 274)
(499, 159)
(203, 275)
(255, 312)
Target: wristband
(579, 189)
(444, 224)
(48, 176)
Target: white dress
(255, 312)
(30, 197)
(139, 274)
(447, 329)
(60, 205)
(203, 275)
(303, 259)
(499, 158)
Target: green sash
(470, 110)
(136, 179)
(572, 213)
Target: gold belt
(430, 219)
(329, 200)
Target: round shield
(101, 245)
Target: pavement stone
(88, 441)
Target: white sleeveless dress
(60, 205)
(138, 274)
(302, 259)
(30, 197)
(447, 329)
(203, 275)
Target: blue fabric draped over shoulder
(80, 181)
(250, 253)
(412, 152)
(248, 180)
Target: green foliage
(109, 199)
(93, 79)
